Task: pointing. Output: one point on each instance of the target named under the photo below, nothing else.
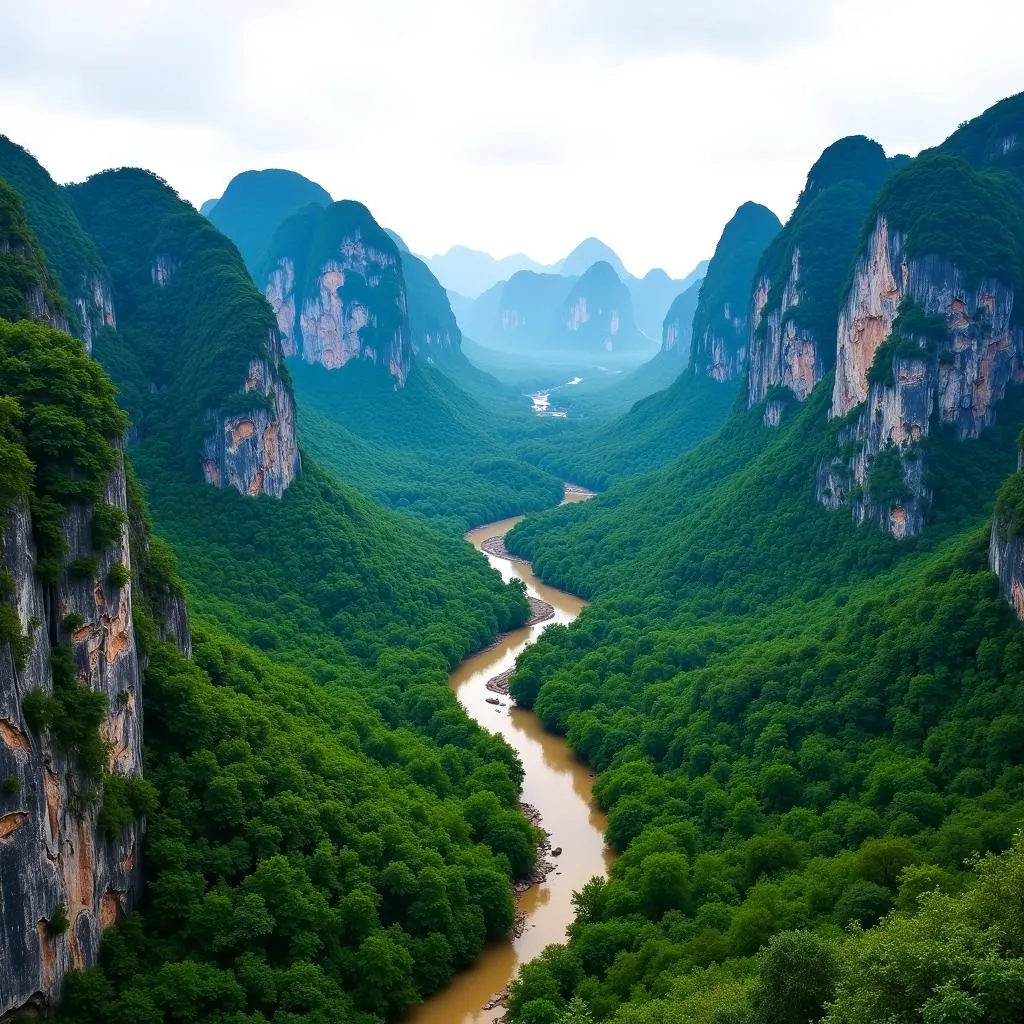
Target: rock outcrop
(94, 304)
(782, 353)
(596, 316)
(255, 451)
(1006, 541)
(793, 306)
(55, 859)
(726, 299)
(343, 298)
(918, 343)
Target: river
(556, 783)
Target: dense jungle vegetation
(330, 836)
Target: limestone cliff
(210, 370)
(54, 856)
(793, 304)
(596, 316)
(84, 279)
(919, 342)
(255, 451)
(1006, 541)
(334, 279)
(782, 352)
(723, 309)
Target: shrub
(108, 521)
(118, 576)
(72, 622)
(58, 923)
(84, 568)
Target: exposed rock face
(727, 303)
(256, 452)
(52, 851)
(715, 352)
(597, 314)
(1006, 556)
(957, 378)
(95, 307)
(164, 266)
(352, 305)
(782, 353)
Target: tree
(797, 977)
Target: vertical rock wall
(255, 451)
(52, 852)
(782, 353)
(955, 380)
(354, 308)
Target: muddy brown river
(557, 784)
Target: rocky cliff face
(953, 373)
(349, 302)
(53, 854)
(256, 451)
(1006, 543)
(782, 353)
(94, 305)
(597, 315)
(800, 276)
(727, 301)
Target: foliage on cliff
(60, 420)
(71, 254)
(727, 285)
(23, 268)
(797, 723)
(256, 202)
(183, 347)
(972, 218)
(825, 227)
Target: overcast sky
(506, 125)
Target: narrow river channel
(557, 784)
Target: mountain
(71, 666)
(279, 728)
(256, 202)
(334, 279)
(471, 272)
(800, 277)
(651, 295)
(681, 395)
(804, 703)
(585, 255)
(84, 280)
(207, 208)
(596, 317)
(720, 322)
(929, 333)
(227, 410)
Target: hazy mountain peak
(586, 254)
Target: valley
(555, 782)
(325, 698)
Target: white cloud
(511, 125)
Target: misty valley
(456, 639)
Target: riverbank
(556, 798)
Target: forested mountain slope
(319, 840)
(801, 721)
(660, 426)
(369, 356)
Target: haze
(511, 125)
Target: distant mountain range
(475, 279)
